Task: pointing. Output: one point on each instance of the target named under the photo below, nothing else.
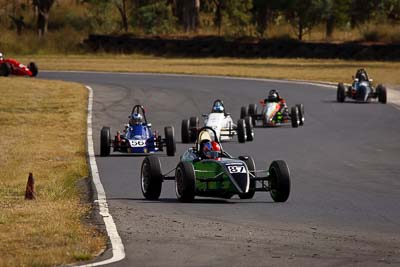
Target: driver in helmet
(273, 96)
(136, 119)
(218, 107)
(1, 56)
(361, 76)
(211, 150)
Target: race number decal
(236, 169)
(138, 143)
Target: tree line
(239, 17)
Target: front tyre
(5, 69)
(341, 94)
(294, 116)
(170, 140)
(382, 94)
(151, 177)
(249, 129)
(193, 126)
(301, 113)
(241, 131)
(185, 131)
(251, 166)
(279, 181)
(105, 141)
(185, 182)
(253, 112)
(33, 68)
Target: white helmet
(1, 56)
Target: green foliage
(335, 13)
(304, 15)
(100, 16)
(239, 16)
(339, 9)
(392, 9)
(66, 18)
(362, 11)
(264, 13)
(234, 15)
(155, 18)
(223, 17)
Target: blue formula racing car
(361, 89)
(137, 137)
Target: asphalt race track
(344, 207)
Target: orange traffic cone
(30, 188)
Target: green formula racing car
(205, 172)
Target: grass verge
(43, 130)
(298, 69)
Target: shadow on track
(349, 102)
(133, 155)
(196, 201)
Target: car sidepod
(271, 114)
(221, 178)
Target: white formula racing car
(221, 122)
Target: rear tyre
(251, 166)
(185, 182)
(170, 140)
(185, 131)
(244, 112)
(33, 68)
(241, 131)
(279, 181)
(253, 113)
(301, 113)
(105, 141)
(193, 126)
(151, 177)
(382, 94)
(5, 69)
(249, 129)
(294, 116)
(341, 94)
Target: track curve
(344, 205)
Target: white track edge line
(118, 250)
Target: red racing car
(13, 67)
